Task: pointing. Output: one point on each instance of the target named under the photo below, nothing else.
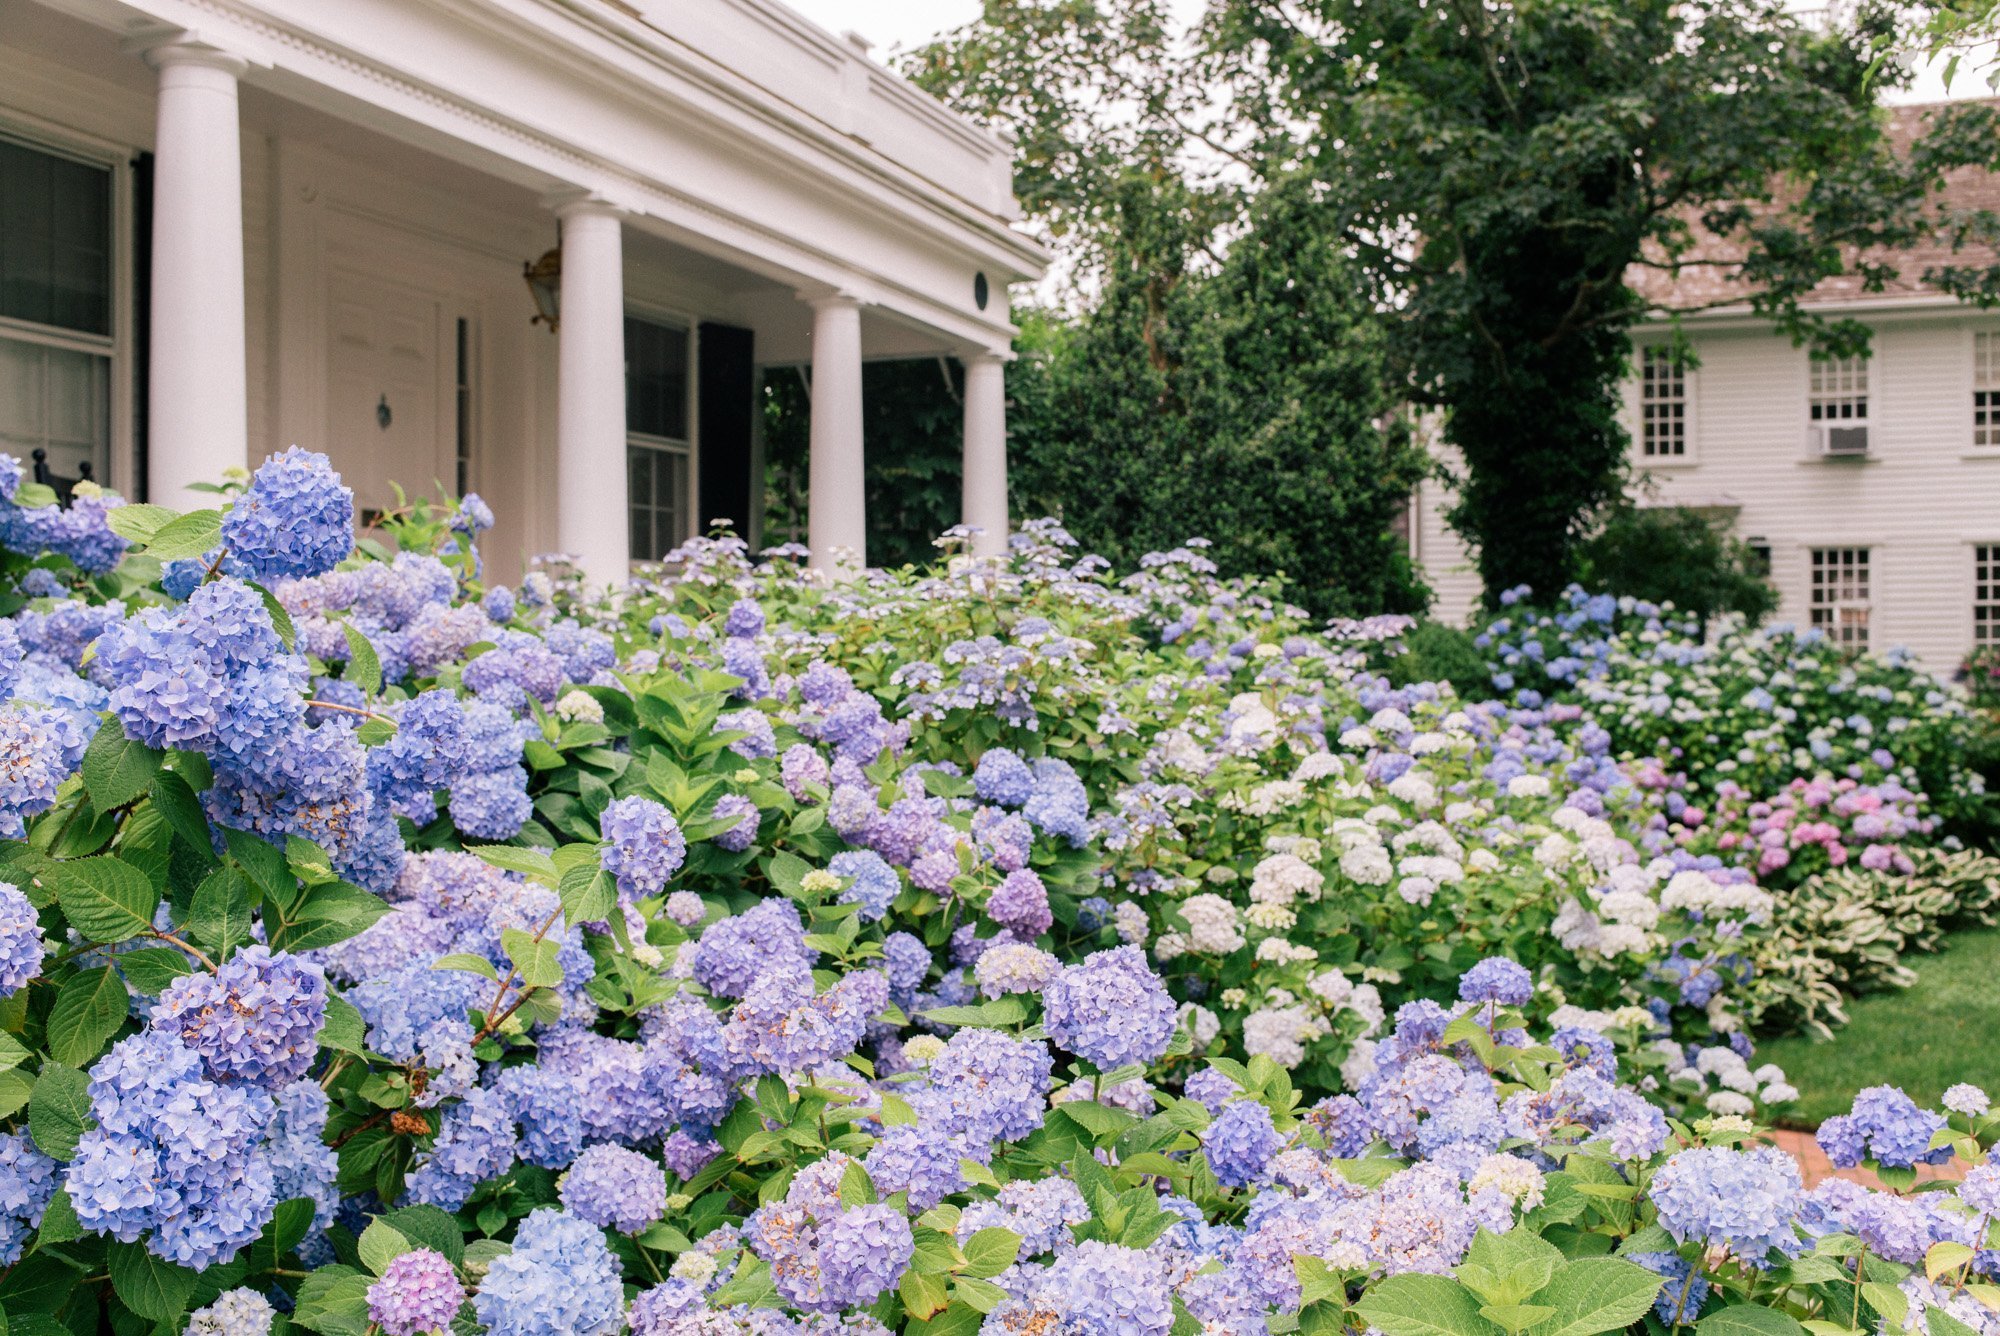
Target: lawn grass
(1943, 1029)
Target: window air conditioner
(1849, 442)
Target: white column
(593, 520)
(837, 509)
(198, 408)
(984, 483)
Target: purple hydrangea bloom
(863, 1252)
(1497, 979)
(1002, 777)
(296, 519)
(987, 1087)
(914, 1160)
(1897, 1131)
(1020, 904)
(1211, 1088)
(256, 1019)
(27, 1181)
(733, 952)
(644, 846)
(419, 1292)
(615, 1188)
(1240, 1143)
(744, 833)
(1111, 1010)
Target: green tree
(1500, 171)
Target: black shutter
(134, 488)
(727, 373)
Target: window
(1840, 595)
(1840, 390)
(1986, 389)
(462, 401)
(1986, 594)
(658, 449)
(1662, 404)
(55, 307)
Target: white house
(1871, 486)
(227, 226)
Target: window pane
(55, 240)
(656, 379)
(57, 400)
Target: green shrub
(1672, 554)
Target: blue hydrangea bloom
(1240, 1143)
(560, 1278)
(296, 519)
(27, 1181)
(615, 1188)
(256, 1019)
(875, 885)
(1497, 979)
(1002, 777)
(1111, 1010)
(21, 949)
(1742, 1200)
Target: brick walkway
(1817, 1168)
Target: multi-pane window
(1986, 594)
(55, 307)
(1662, 404)
(1840, 390)
(1986, 389)
(1840, 602)
(657, 358)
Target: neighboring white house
(228, 226)
(1871, 486)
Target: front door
(392, 392)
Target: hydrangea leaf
(381, 1244)
(137, 523)
(364, 665)
(431, 1228)
(924, 1294)
(59, 1222)
(334, 1302)
(533, 958)
(1757, 1320)
(534, 864)
(176, 802)
(152, 970)
(344, 1029)
(107, 900)
(191, 535)
(150, 1286)
(990, 1251)
(1420, 1305)
(219, 916)
(116, 770)
(1596, 1294)
(88, 1011)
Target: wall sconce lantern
(544, 280)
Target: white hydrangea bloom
(1367, 864)
(1359, 1065)
(1510, 1176)
(1331, 987)
(1201, 1024)
(1280, 1034)
(1728, 1102)
(1528, 786)
(1212, 924)
(1316, 766)
(1271, 918)
(1283, 878)
(1416, 789)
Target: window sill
(1990, 452)
(1665, 461)
(1838, 461)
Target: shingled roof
(1699, 286)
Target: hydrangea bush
(1000, 947)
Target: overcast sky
(908, 23)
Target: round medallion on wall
(980, 291)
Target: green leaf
(116, 769)
(990, 1251)
(1596, 1294)
(856, 1187)
(59, 1110)
(59, 1222)
(924, 1295)
(1413, 1305)
(220, 913)
(1754, 1320)
(137, 522)
(469, 963)
(264, 862)
(281, 620)
(88, 1011)
(381, 1244)
(191, 535)
(1000, 1012)
(12, 1052)
(345, 1029)
(364, 666)
(150, 1286)
(589, 895)
(1946, 1256)
(151, 970)
(1505, 1269)
(334, 1302)
(34, 496)
(534, 960)
(534, 864)
(107, 900)
(429, 1227)
(176, 801)
(1096, 1119)
(307, 860)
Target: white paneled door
(393, 395)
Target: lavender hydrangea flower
(256, 1019)
(744, 833)
(1111, 1010)
(1002, 777)
(1020, 904)
(1497, 979)
(27, 1181)
(644, 846)
(1742, 1200)
(419, 1292)
(615, 1188)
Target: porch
(234, 227)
